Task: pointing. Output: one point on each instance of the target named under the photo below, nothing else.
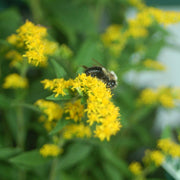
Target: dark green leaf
(59, 97)
(7, 152)
(117, 162)
(59, 70)
(61, 124)
(75, 154)
(12, 17)
(112, 172)
(5, 102)
(90, 50)
(29, 159)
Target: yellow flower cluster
(52, 110)
(137, 3)
(52, 113)
(114, 39)
(169, 147)
(31, 38)
(149, 63)
(15, 81)
(50, 150)
(135, 168)
(165, 96)
(155, 156)
(15, 57)
(75, 110)
(76, 130)
(100, 110)
(149, 15)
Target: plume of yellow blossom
(14, 56)
(148, 96)
(52, 110)
(135, 168)
(155, 157)
(75, 110)
(76, 130)
(114, 39)
(33, 39)
(100, 110)
(164, 96)
(15, 81)
(169, 147)
(149, 63)
(50, 150)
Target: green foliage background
(78, 24)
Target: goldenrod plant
(66, 108)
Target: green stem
(53, 169)
(55, 161)
(36, 10)
(21, 129)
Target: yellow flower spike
(31, 38)
(50, 150)
(101, 112)
(75, 110)
(76, 130)
(15, 57)
(149, 63)
(157, 157)
(51, 109)
(15, 81)
(147, 96)
(169, 147)
(166, 101)
(135, 168)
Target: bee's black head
(111, 84)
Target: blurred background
(85, 26)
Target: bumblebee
(107, 77)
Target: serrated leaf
(60, 125)
(7, 152)
(29, 159)
(59, 70)
(75, 154)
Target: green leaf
(60, 125)
(29, 159)
(59, 70)
(5, 102)
(10, 20)
(112, 172)
(59, 97)
(90, 50)
(70, 17)
(117, 162)
(75, 154)
(166, 133)
(7, 152)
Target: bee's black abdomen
(102, 74)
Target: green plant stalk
(21, 129)
(37, 13)
(55, 161)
